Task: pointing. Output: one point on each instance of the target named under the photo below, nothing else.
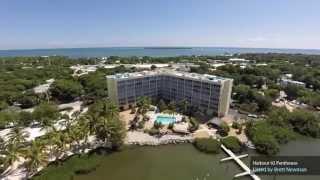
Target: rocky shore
(144, 139)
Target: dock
(247, 171)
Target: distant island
(154, 51)
(167, 48)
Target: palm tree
(84, 126)
(172, 106)
(59, 143)
(112, 110)
(111, 131)
(183, 106)
(76, 134)
(96, 109)
(101, 129)
(17, 135)
(36, 156)
(49, 127)
(2, 168)
(12, 153)
(105, 108)
(103, 121)
(143, 104)
(108, 111)
(66, 140)
(47, 94)
(116, 132)
(162, 106)
(108, 127)
(75, 115)
(2, 145)
(56, 140)
(87, 123)
(52, 139)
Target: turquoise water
(165, 119)
(140, 51)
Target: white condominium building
(210, 94)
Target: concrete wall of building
(225, 97)
(286, 82)
(113, 90)
(211, 98)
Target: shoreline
(144, 139)
(18, 171)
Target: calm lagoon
(184, 162)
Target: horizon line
(239, 47)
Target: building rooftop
(292, 81)
(202, 77)
(239, 59)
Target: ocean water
(140, 51)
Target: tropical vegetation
(207, 145)
(280, 127)
(101, 122)
(232, 143)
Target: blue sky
(28, 24)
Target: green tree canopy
(108, 126)
(207, 145)
(66, 90)
(95, 85)
(46, 114)
(162, 105)
(305, 122)
(232, 143)
(143, 104)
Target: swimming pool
(165, 119)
